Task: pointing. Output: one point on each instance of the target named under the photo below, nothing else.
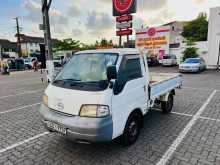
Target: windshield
(192, 61)
(27, 60)
(86, 69)
(166, 57)
(169, 57)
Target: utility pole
(1, 57)
(120, 41)
(47, 38)
(18, 37)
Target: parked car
(152, 61)
(193, 65)
(28, 62)
(169, 60)
(106, 99)
(19, 64)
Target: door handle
(144, 88)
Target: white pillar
(213, 37)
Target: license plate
(56, 127)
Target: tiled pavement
(22, 140)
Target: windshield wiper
(66, 80)
(57, 81)
(71, 79)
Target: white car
(169, 60)
(192, 65)
(100, 95)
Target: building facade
(8, 48)
(31, 45)
(176, 29)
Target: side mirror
(111, 72)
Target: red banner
(124, 32)
(124, 18)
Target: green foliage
(67, 44)
(103, 43)
(190, 42)
(74, 45)
(190, 52)
(197, 30)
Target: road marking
(189, 115)
(23, 142)
(182, 114)
(207, 118)
(166, 157)
(19, 94)
(16, 109)
(177, 113)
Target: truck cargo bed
(161, 83)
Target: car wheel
(167, 106)
(132, 130)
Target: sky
(90, 20)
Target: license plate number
(56, 127)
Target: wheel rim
(133, 131)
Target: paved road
(189, 135)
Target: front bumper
(167, 64)
(189, 70)
(81, 129)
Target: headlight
(45, 99)
(94, 111)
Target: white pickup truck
(103, 94)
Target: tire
(167, 106)
(132, 130)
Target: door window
(132, 69)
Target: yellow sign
(154, 40)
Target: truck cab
(103, 94)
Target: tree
(70, 44)
(190, 52)
(104, 43)
(196, 30)
(67, 44)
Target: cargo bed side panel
(163, 87)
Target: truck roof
(120, 51)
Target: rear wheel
(132, 130)
(167, 106)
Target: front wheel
(167, 106)
(132, 130)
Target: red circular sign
(152, 31)
(123, 6)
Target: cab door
(129, 92)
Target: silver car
(192, 65)
(169, 60)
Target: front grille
(62, 113)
